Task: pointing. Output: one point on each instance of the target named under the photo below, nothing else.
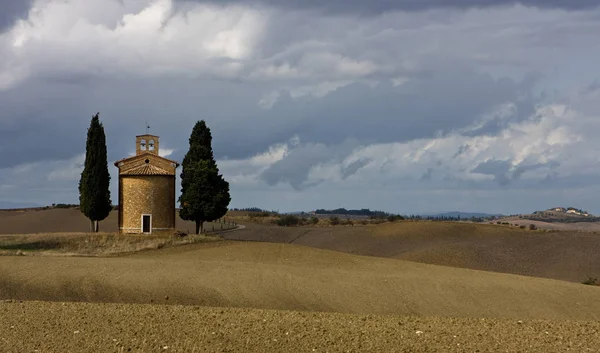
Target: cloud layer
(312, 103)
(376, 7)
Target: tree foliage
(94, 191)
(204, 192)
(361, 212)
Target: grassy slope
(570, 256)
(97, 244)
(282, 276)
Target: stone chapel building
(146, 189)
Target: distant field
(570, 256)
(68, 221)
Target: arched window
(151, 145)
(143, 145)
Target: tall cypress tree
(204, 192)
(94, 192)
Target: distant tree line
(362, 212)
(64, 205)
(448, 218)
(252, 209)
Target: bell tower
(146, 144)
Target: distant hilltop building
(146, 189)
(570, 210)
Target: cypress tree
(204, 192)
(94, 192)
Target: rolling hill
(287, 290)
(564, 255)
(570, 256)
(293, 277)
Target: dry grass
(85, 244)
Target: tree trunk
(97, 226)
(91, 226)
(197, 226)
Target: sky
(403, 106)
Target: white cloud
(319, 90)
(69, 170)
(269, 99)
(554, 140)
(248, 171)
(57, 180)
(152, 39)
(165, 152)
(236, 57)
(54, 171)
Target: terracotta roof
(145, 154)
(147, 170)
(149, 135)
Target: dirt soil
(570, 256)
(293, 277)
(82, 327)
(281, 293)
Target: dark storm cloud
(594, 86)
(45, 120)
(380, 6)
(421, 108)
(428, 175)
(496, 168)
(354, 167)
(523, 168)
(502, 173)
(12, 10)
(461, 150)
(295, 167)
(55, 126)
(40, 122)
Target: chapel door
(146, 224)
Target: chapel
(146, 189)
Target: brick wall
(151, 194)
